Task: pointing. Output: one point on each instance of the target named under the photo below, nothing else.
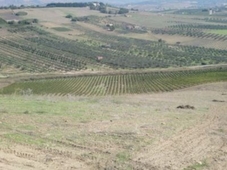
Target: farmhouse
(127, 15)
(96, 4)
(99, 58)
(130, 27)
(109, 25)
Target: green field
(61, 29)
(118, 84)
(221, 32)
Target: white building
(210, 12)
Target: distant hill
(43, 2)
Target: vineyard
(34, 50)
(194, 30)
(118, 84)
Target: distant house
(96, 4)
(99, 58)
(210, 12)
(127, 15)
(106, 46)
(130, 27)
(109, 25)
(138, 27)
(133, 27)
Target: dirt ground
(121, 132)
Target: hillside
(97, 87)
(122, 132)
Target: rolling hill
(154, 2)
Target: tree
(68, 16)
(102, 9)
(123, 11)
(11, 22)
(35, 21)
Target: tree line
(75, 4)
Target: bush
(68, 16)
(22, 13)
(123, 11)
(11, 22)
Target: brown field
(125, 132)
(8, 15)
(57, 15)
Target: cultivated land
(108, 91)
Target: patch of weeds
(26, 112)
(27, 127)
(115, 101)
(23, 138)
(197, 166)
(3, 111)
(61, 29)
(40, 112)
(123, 157)
(84, 121)
(93, 101)
(221, 130)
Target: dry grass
(121, 132)
(57, 15)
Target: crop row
(215, 20)
(199, 26)
(159, 52)
(30, 50)
(190, 32)
(133, 83)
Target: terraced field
(118, 84)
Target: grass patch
(23, 138)
(26, 127)
(221, 32)
(123, 157)
(61, 29)
(197, 166)
(21, 13)
(31, 106)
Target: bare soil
(131, 131)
